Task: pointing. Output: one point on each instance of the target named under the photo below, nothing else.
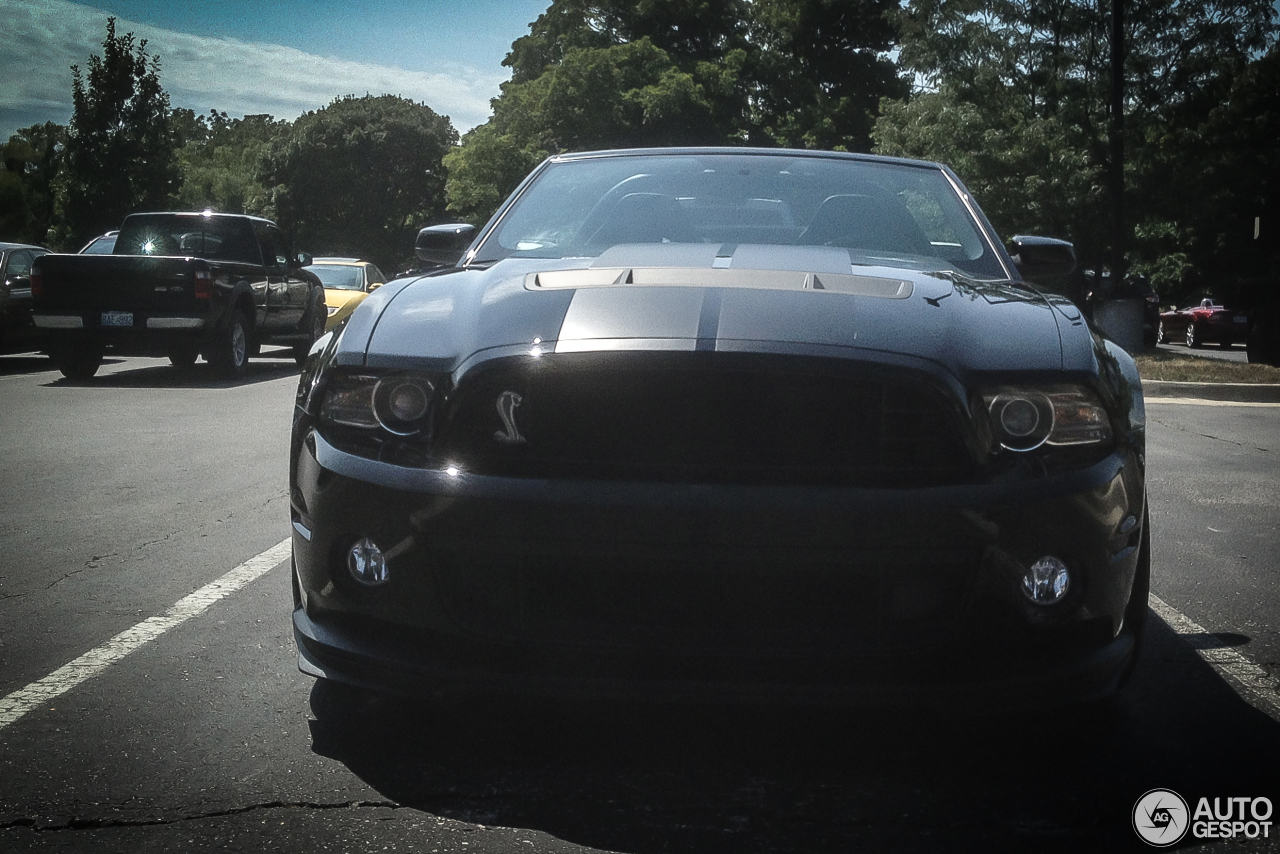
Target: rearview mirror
(443, 245)
(1042, 257)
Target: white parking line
(1195, 401)
(1264, 687)
(17, 704)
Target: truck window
(274, 251)
(216, 238)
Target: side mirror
(1043, 257)
(443, 245)
(373, 286)
(304, 259)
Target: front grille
(707, 418)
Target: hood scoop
(711, 277)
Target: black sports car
(718, 422)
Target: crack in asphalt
(1210, 436)
(58, 581)
(76, 823)
(281, 495)
(92, 563)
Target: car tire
(230, 353)
(183, 357)
(1135, 614)
(1262, 346)
(79, 360)
(1195, 336)
(314, 323)
(1160, 338)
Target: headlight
(399, 404)
(1023, 419)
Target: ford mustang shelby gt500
(723, 421)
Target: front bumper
(868, 595)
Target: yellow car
(346, 282)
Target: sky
(281, 57)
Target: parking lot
(127, 494)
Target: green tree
(820, 68)
(360, 176)
(689, 31)
(629, 73)
(624, 95)
(1029, 85)
(1029, 173)
(31, 160)
(119, 153)
(221, 163)
(1238, 162)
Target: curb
(1237, 392)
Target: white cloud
(41, 39)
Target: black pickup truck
(178, 285)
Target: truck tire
(78, 360)
(230, 352)
(183, 357)
(314, 325)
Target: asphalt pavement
(125, 496)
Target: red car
(1202, 319)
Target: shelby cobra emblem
(506, 405)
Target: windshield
(100, 245)
(340, 276)
(883, 213)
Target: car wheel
(230, 354)
(1195, 338)
(315, 325)
(79, 360)
(1160, 332)
(183, 357)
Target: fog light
(366, 562)
(1047, 580)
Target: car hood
(693, 297)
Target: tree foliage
(679, 72)
(221, 160)
(624, 95)
(820, 69)
(119, 152)
(31, 161)
(1015, 96)
(689, 31)
(360, 176)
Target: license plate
(1240, 319)
(117, 318)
